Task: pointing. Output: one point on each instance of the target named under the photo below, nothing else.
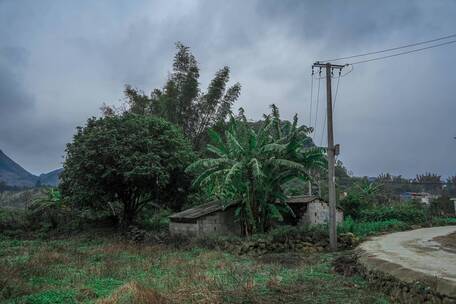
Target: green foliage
(352, 205)
(49, 209)
(443, 221)
(123, 163)
(250, 167)
(156, 220)
(406, 212)
(300, 232)
(360, 196)
(442, 206)
(12, 220)
(52, 297)
(182, 102)
(363, 229)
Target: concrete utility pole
(331, 149)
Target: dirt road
(414, 256)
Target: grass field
(95, 269)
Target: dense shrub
(155, 220)
(443, 221)
(407, 212)
(301, 232)
(442, 206)
(352, 205)
(363, 229)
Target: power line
(404, 53)
(318, 100)
(394, 48)
(311, 98)
(337, 90)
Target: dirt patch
(346, 265)
(447, 241)
(134, 293)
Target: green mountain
(51, 178)
(12, 174)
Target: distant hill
(12, 174)
(51, 178)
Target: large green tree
(129, 160)
(182, 102)
(250, 167)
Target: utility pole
(331, 150)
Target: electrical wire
(318, 100)
(311, 98)
(337, 90)
(393, 49)
(404, 53)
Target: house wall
(318, 213)
(221, 222)
(183, 228)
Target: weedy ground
(101, 269)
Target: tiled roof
(206, 209)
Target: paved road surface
(414, 256)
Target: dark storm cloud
(60, 60)
(13, 98)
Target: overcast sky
(60, 60)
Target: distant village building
(422, 197)
(212, 218)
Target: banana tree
(249, 168)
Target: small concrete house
(212, 218)
(310, 210)
(209, 218)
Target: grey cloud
(14, 99)
(61, 60)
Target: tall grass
(93, 269)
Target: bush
(363, 229)
(412, 213)
(352, 205)
(443, 221)
(158, 220)
(300, 232)
(442, 206)
(13, 219)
